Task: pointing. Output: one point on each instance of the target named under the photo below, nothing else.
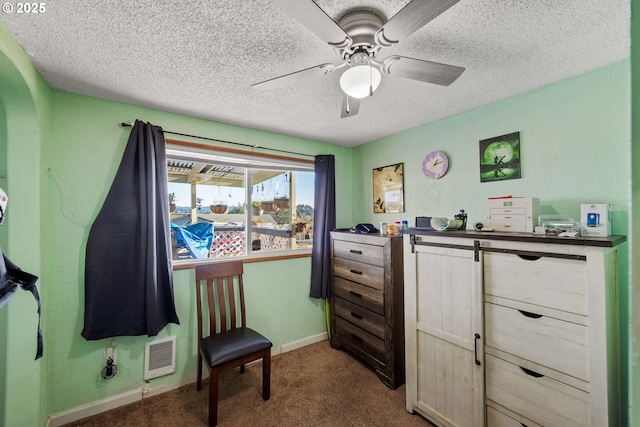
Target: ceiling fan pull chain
(370, 79)
(347, 104)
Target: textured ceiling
(199, 58)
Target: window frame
(203, 149)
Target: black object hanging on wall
(12, 278)
(128, 270)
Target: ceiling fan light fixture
(359, 81)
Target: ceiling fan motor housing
(361, 25)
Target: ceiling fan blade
(424, 71)
(315, 19)
(350, 106)
(296, 77)
(410, 19)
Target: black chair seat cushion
(218, 349)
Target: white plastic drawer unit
(517, 214)
(558, 283)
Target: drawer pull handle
(530, 314)
(353, 251)
(356, 315)
(355, 294)
(475, 348)
(529, 257)
(356, 272)
(354, 336)
(531, 373)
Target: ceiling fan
(357, 38)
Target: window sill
(185, 265)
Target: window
(229, 203)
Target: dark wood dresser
(367, 293)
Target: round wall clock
(435, 165)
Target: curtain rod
(123, 124)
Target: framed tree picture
(388, 189)
(500, 158)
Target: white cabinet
(512, 329)
(443, 323)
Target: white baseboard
(112, 402)
(94, 408)
(303, 342)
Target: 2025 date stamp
(24, 8)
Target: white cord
(67, 201)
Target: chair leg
(242, 369)
(199, 382)
(213, 397)
(266, 375)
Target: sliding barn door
(443, 321)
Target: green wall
(634, 294)
(84, 150)
(575, 146)
(24, 115)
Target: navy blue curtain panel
(128, 271)
(324, 221)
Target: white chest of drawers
(544, 318)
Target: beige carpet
(312, 386)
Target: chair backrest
(218, 279)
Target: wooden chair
(228, 345)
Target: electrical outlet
(110, 352)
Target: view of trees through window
(227, 209)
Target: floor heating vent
(160, 358)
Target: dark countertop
(609, 242)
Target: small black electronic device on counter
(364, 228)
(424, 222)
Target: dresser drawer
(361, 317)
(367, 274)
(544, 400)
(367, 297)
(556, 344)
(360, 338)
(496, 212)
(546, 281)
(508, 217)
(369, 254)
(509, 225)
(495, 418)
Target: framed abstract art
(388, 189)
(500, 158)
